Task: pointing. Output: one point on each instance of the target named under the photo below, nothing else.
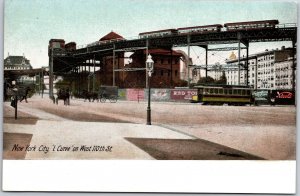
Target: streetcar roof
(224, 87)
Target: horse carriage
(63, 94)
(108, 92)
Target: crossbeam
(226, 49)
(131, 69)
(130, 49)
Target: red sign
(135, 94)
(284, 95)
(183, 94)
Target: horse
(24, 94)
(89, 95)
(64, 95)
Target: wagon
(108, 92)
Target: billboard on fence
(182, 94)
(159, 94)
(135, 94)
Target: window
(176, 72)
(161, 72)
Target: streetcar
(223, 94)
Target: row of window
(265, 58)
(167, 61)
(163, 72)
(14, 68)
(224, 91)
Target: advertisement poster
(151, 96)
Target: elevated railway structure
(66, 61)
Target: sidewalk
(53, 130)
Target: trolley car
(224, 94)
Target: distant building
(266, 70)
(17, 63)
(215, 72)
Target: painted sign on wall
(135, 94)
(182, 94)
(159, 94)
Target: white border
(151, 176)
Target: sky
(30, 24)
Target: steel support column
(206, 60)
(293, 67)
(247, 65)
(146, 72)
(188, 60)
(94, 75)
(42, 82)
(239, 67)
(51, 75)
(256, 73)
(171, 68)
(114, 54)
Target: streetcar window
(234, 91)
(221, 91)
(205, 91)
(201, 91)
(239, 92)
(243, 92)
(225, 91)
(230, 92)
(215, 91)
(211, 91)
(248, 92)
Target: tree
(222, 80)
(206, 80)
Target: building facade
(266, 70)
(167, 69)
(17, 63)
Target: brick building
(105, 75)
(166, 69)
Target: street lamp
(149, 67)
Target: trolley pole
(188, 61)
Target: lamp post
(149, 67)
(15, 99)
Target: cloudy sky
(30, 24)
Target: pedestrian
(25, 95)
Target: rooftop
(111, 35)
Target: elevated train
(237, 26)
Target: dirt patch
(81, 116)
(11, 139)
(22, 117)
(181, 149)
